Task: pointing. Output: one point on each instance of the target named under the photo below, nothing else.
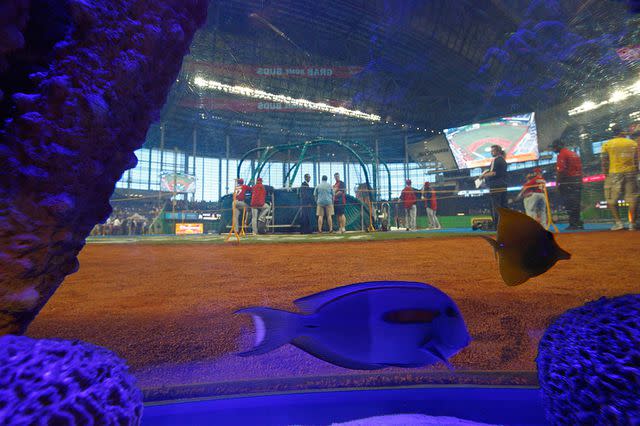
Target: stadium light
(272, 97)
(617, 96)
(586, 106)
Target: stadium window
(325, 170)
(396, 170)
(143, 155)
(245, 170)
(168, 158)
(233, 170)
(208, 178)
(198, 171)
(224, 188)
(356, 175)
(276, 174)
(416, 174)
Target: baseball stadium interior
(427, 123)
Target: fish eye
(450, 312)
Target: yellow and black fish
(524, 248)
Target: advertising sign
(189, 228)
(272, 71)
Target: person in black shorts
(496, 178)
(339, 202)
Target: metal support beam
(406, 157)
(227, 143)
(193, 169)
(195, 147)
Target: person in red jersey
(240, 193)
(409, 199)
(569, 182)
(259, 206)
(532, 193)
(431, 205)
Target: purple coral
(64, 382)
(589, 364)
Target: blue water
(507, 406)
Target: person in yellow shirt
(620, 165)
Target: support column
(195, 146)
(161, 145)
(161, 158)
(220, 178)
(376, 177)
(193, 170)
(227, 143)
(345, 171)
(253, 160)
(406, 157)
(317, 173)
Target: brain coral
(61, 382)
(589, 364)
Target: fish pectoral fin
(436, 353)
(493, 243)
(511, 270)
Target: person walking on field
(431, 205)
(496, 178)
(259, 207)
(340, 202)
(323, 194)
(569, 182)
(620, 165)
(409, 200)
(305, 193)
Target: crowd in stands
(137, 215)
(124, 221)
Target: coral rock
(71, 74)
(589, 364)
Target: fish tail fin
(493, 243)
(274, 328)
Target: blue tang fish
(367, 326)
(523, 247)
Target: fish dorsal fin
(515, 229)
(493, 244)
(312, 303)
